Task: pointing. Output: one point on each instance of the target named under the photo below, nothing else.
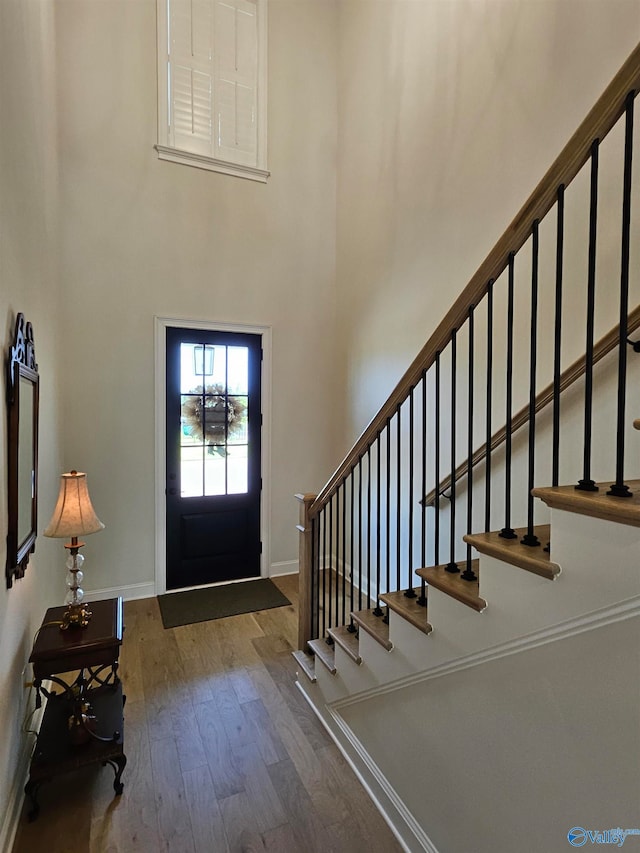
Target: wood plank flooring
(224, 755)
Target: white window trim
(200, 161)
(177, 155)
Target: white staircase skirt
(503, 730)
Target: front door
(213, 478)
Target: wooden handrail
(568, 377)
(604, 115)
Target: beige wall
(141, 237)
(439, 106)
(450, 112)
(97, 237)
(27, 283)
(504, 755)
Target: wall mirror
(22, 464)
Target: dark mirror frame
(21, 365)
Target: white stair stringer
(598, 587)
(408, 831)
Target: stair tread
(408, 608)
(466, 592)
(307, 664)
(347, 640)
(325, 652)
(532, 559)
(595, 504)
(375, 626)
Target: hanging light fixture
(203, 360)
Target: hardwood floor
(224, 755)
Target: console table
(83, 720)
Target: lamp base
(75, 616)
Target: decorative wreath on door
(212, 416)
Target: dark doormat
(215, 602)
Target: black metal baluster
(619, 488)
(377, 610)
(557, 345)
(360, 533)
(436, 520)
(410, 592)
(586, 484)
(469, 574)
(507, 531)
(530, 538)
(452, 566)
(339, 611)
(422, 599)
(352, 499)
(344, 555)
(324, 570)
(388, 488)
(330, 599)
(399, 503)
(487, 482)
(368, 525)
(352, 627)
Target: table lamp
(73, 517)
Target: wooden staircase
(511, 552)
(588, 585)
(395, 495)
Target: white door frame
(160, 341)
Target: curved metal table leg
(118, 763)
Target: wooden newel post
(305, 569)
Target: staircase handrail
(600, 120)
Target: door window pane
(215, 474)
(237, 419)
(238, 370)
(237, 470)
(191, 473)
(214, 383)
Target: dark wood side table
(83, 717)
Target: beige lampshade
(74, 514)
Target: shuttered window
(212, 85)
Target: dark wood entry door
(213, 481)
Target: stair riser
(605, 556)
(354, 676)
(334, 687)
(378, 666)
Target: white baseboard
(128, 593)
(405, 828)
(11, 819)
(287, 567)
(9, 827)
